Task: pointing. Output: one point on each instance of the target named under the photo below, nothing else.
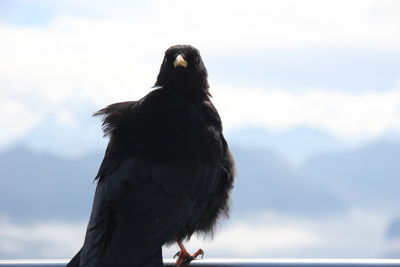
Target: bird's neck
(194, 93)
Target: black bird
(167, 171)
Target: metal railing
(237, 262)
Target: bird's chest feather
(171, 128)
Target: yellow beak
(180, 61)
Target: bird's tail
(154, 260)
(75, 261)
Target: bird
(167, 172)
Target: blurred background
(309, 93)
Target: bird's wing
(140, 205)
(114, 114)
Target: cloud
(255, 240)
(351, 117)
(348, 115)
(112, 54)
(254, 24)
(358, 233)
(50, 239)
(15, 120)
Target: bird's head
(183, 70)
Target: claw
(176, 255)
(184, 258)
(200, 252)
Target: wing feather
(141, 204)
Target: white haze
(358, 233)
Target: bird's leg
(184, 258)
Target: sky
(333, 66)
(266, 235)
(329, 65)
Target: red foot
(184, 258)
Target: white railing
(237, 262)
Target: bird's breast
(171, 130)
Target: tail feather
(154, 260)
(75, 261)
